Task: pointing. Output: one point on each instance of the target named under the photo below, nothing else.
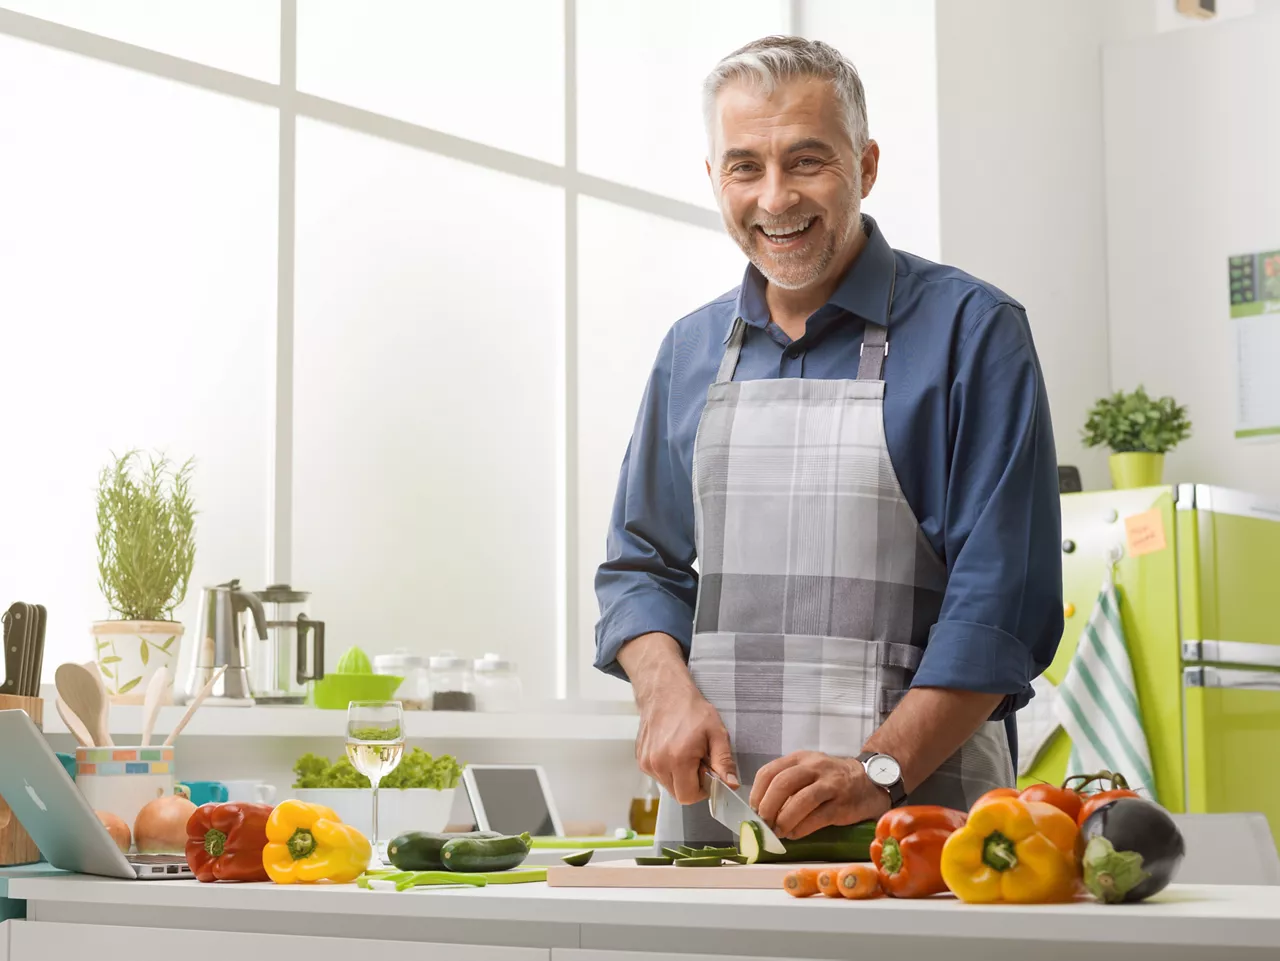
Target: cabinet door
(37, 941)
(5, 928)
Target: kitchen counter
(71, 914)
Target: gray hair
(767, 62)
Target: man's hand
(802, 792)
(679, 729)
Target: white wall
(1191, 158)
(1020, 140)
(894, 47)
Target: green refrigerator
(1197, 571)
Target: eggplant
(1129, 850)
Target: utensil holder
(16, 846)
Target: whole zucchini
(420, 850)
(843, 843)
(485, 854)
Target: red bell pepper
(907, 850)
(225, 841)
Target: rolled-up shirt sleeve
(1001, 617)
(647, 582)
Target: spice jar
(414, 692)
(452, 683)
(498, 688)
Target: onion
(116, 827)
(161, 826)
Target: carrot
(827, 881)
(858, 881)
(801, 883)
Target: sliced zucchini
(843, 843)
(687, 852)
(712, 862)
(655, 860)
(578, 858)
(672, 853)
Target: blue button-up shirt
(967, 424)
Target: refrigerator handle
(1230, 678)
(1232, 652)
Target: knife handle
(13, 649)
(39, 617)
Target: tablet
(512, 799)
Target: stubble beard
(795, 270)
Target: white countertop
(1187, 915)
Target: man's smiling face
(788, 178)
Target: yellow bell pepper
(1012, 850)
(309, 842)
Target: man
(855, 448)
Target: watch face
(883, 770)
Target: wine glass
(375, 743)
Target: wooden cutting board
(628, 874)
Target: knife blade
(730, 809)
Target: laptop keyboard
(157, 859)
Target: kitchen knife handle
(13, 676)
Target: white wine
(375, 759)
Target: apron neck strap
(729, 363)
(875, 345)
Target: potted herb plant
(146, 550)
(416, 796)
(1139, 430)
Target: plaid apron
(817, 589)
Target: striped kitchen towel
(1098, 701)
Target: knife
(40, 618)
(14, 650)
(729, 808)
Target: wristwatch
(885, 773)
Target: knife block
(16, 846)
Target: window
(394, 436)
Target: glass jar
(414, 691)
(643, 816)
(498, 688)
(452, 683)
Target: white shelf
(269, 721)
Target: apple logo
(34, 796)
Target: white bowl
(410, 809)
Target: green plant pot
(1132, 470)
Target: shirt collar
(864, 290)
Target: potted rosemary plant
(146, 550)
(1139, 430)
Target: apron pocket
(780, 693)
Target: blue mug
(68, 764)
(206, 792)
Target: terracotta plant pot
(128, 653)
(1132, 470)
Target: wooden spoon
(85, 697)
(151, 704)
(195, 703)
(73, 723)
(93, 669)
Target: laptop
(51, 808)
